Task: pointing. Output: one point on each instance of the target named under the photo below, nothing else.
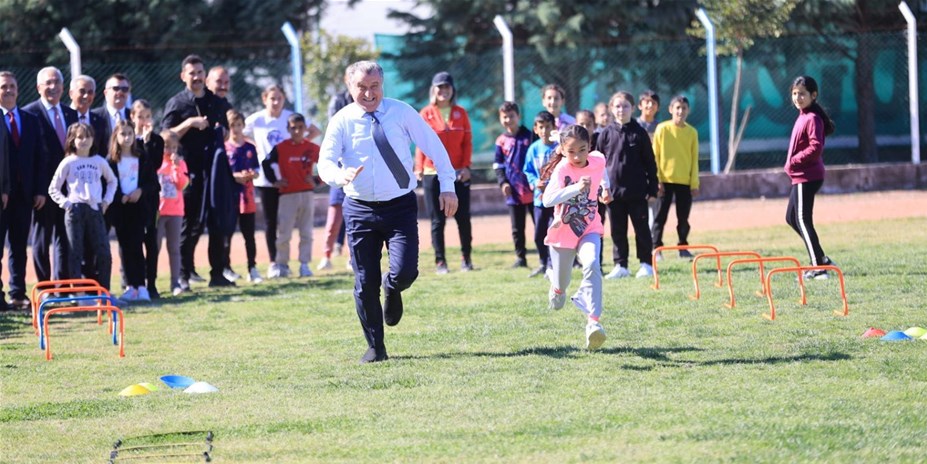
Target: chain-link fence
(862, 78)
(591, 74)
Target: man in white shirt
(83, 90)
(366, 150)
(116, 98)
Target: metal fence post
(296, 62)
(912, 83)
(714, 141)
(508, 57)
(73, 48)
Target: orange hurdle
(100, 291)
(717, 255)
(800, 269)
(107, 308)
(653, 258)
(34, 297)
(763, 291)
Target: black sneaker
(194, 277)
(373, 355)
(466, 265)
(537, 271)
(220, 282)
(520, 263)
(685, 254)
(441, 268)
(392, 307)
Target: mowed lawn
(482, 371)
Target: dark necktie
(14, 131)
(59, 127)
(389, 155)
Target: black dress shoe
(153, 293)
(374, 355)
(392, 307)
(220, 282)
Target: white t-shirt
(128, 174)
(267, 132)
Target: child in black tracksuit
(632, 175)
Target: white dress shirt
(349, 141)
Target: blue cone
(177, 381)
(895, 336)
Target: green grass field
(482, 371)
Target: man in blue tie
(366, 151)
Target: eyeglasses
(120, 88)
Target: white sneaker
(619, 272)
(254, 276)
(304, 270)
(230, 275)
(273, 271)
(646, 270)
(131, 294)
(176, 291)
(556, 298)
(324, 264)
(595, 335)
(143, 294)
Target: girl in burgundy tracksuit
(805, 166)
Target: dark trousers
(438, 219)
(542, 219)
(192, 227)
(517, 215)
(129, 223)
(14, 229)
(217, 250)
(683, 196)
(800, 215)
(270, 200)
(48, 231)
(150, 241)
(88, 238)
(246, 223)
(370, 225)
(619, 211)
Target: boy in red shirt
(289, 168)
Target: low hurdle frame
(769, 294)
(763, 291)
(100, 292)
(72, 309)
(653, 258)
(717, 255)
(60, 286)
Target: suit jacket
(54, 152)
(28, 166)
(104, 131)
(4, 160)
(100, 146)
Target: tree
(326, 57)
(737, 25)
(833, 19)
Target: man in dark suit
(82, 91)
(48, 223)
(28, 185)
(116, 97)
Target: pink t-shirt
(576, 211)
(173, 179)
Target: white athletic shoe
(646, 270)
(595, 335)
(142, 293)
(556, 298)
(324, 264)
(619, 272)
(304, 270)
(254, 276)
(274, 271)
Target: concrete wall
(487, 198)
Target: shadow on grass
(660, 355)
(249, 291)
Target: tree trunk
(735, 101)
(865, 98)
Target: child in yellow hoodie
(675, 147)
